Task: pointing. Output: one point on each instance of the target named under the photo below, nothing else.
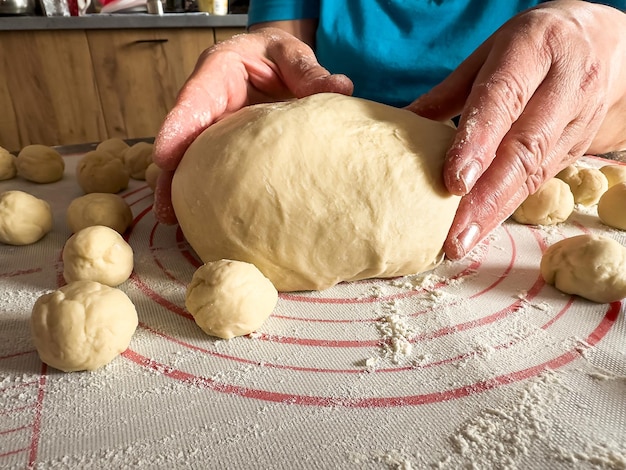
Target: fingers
(162, 208)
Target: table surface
(478, 363)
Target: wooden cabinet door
(221, 34)
(48, 95)
(139, 73)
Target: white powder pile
(396, 334)
(498, 438)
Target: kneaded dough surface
(101, 172)
(317, 191)
(40, 164)
(612, 206)
(230, 298)
(551, 204)
(8, 169)
(24, 218)
(82, 326)
(106, 209)
(591, 266)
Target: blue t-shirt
(417, 43)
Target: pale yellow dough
(97, 253)
(24, 218)
(101, 172)
(115, 146)
(551, 204)
(82, 326)
(137, 159)
(612, 207)
(40, 164)
(591, 266)
(317, 191)
(152, 175)
(8, 169)
(99, 209)
(614, 174)
(587, 184)
(230, 298)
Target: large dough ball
(115, 146)
(614, 174)
(97, 253)
(8, 169)
(101, 172)
(24, 219)
(612, 206)
(317, 191)
(591, 266)
(137, 158)
(587, 184)
(551, 204)
(230, 298)
(40, 163)
(106, 209)
(82, 326)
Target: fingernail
(468, 238)
(469, 174)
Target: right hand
(263, 66)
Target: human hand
(546, 88)
(263, 66)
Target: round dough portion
(587, 184)
(105, 209)
(137, 158)
(40, 164)
(319, 190)
(24, 218)
(612, 206)
(101, 172)
(82, 326)
(8, 169)
(230, 298)
(591, 266)
(97, 253)
(551, 204)
(152, 175)
(614, 174)
(115, 146)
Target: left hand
(546, 88)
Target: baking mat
(477, 364)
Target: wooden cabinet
(62, 87)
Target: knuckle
(509, 89)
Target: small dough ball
(230, 298)
(587, 184)
(612, 206)
(137, 158)
(97, 253)
(591, 266)
(551, 204)
(100, 172)
(614, 174)
(24, 219)
(8, 169)
(106, 209)
(115, 146)
(152, 175)
(82, 326)
(40, 163)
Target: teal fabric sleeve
(395, 50)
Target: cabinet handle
(143, 41)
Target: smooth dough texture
(82, 326)
(152, 175)
(614, 174)
(97, 253)
(115, 146)
(137, 158)
(106, 209)
(591, 266)
(24, 218)
(587, 184)
(612, 206)
(551, 204)
(40, 164)
(101, 172)
(8, 169)
(317, 191)
(230, 298)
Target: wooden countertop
(122, 21)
